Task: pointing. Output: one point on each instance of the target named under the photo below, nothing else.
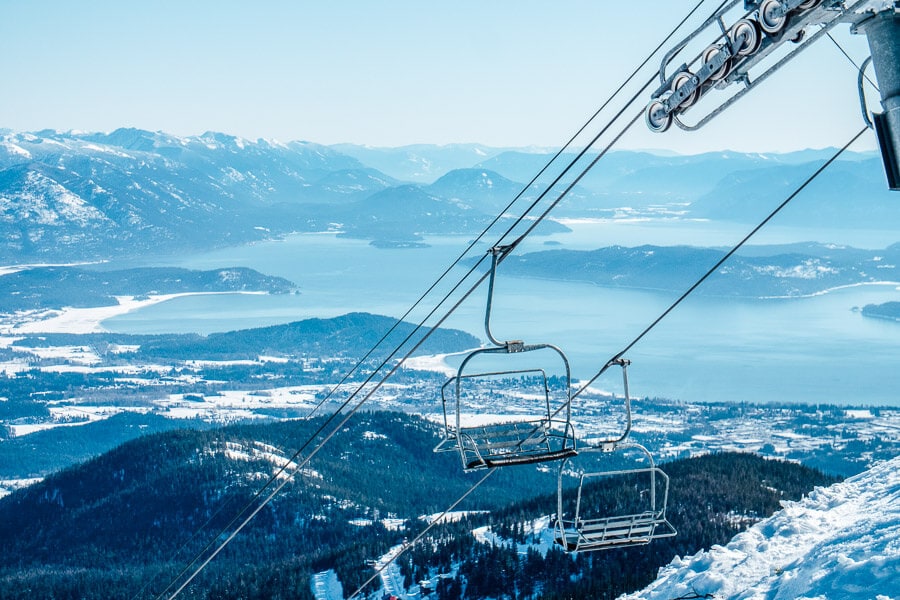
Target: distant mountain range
(75, 196)
(758, 272)
(71, 196)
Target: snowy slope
(840, 542)
(326, 586)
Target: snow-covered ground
(326, 586)
(71, 416)
(235, 405)
(391, 578)
(436, 363)
(8, 486)
(539, 530)
(840, 542)
(451, 516)
(76, 320)
(84, 320)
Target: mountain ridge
(89, 196)
(791, 271)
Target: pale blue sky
(501, 72)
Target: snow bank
(436, 363)
(840, 542)
(79, 320)
(87, 320)
(326, 586)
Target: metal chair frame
(549, 437)
(581, 534)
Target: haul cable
(504, 210)
(484, 232)
(721, 261)
(859, 68)
(509, 247)
(297, 466)
(518, 220)
(656, 322)
(422, 534)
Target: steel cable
(851, 61)
(418, 538)
(656, 322)
(720, 262)
(391, 372)
(520, 219)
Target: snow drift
(840, 542)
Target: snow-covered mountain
(92, 196)
(84, 195)
(840, 542)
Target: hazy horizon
(503, 75)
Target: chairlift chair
(637, 517)
(589, 521)
(533, 423)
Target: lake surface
(709, 349)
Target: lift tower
(883, 33)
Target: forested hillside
(125, 523)
(346, 335)
(888, 310)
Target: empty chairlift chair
(612, 494)
(509, 403)
(611, 506)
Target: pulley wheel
(679, 82)
(709, 54)
(771, 16)
(656, 117)
(745, 37)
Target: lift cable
(415, 304)
(295, 467)
(520, 219)
(471, 245)
(721, 261)
(505, 209)
(439, 519)
(639, 337)
(858, 67)
(325, 440)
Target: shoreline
(72, 320)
